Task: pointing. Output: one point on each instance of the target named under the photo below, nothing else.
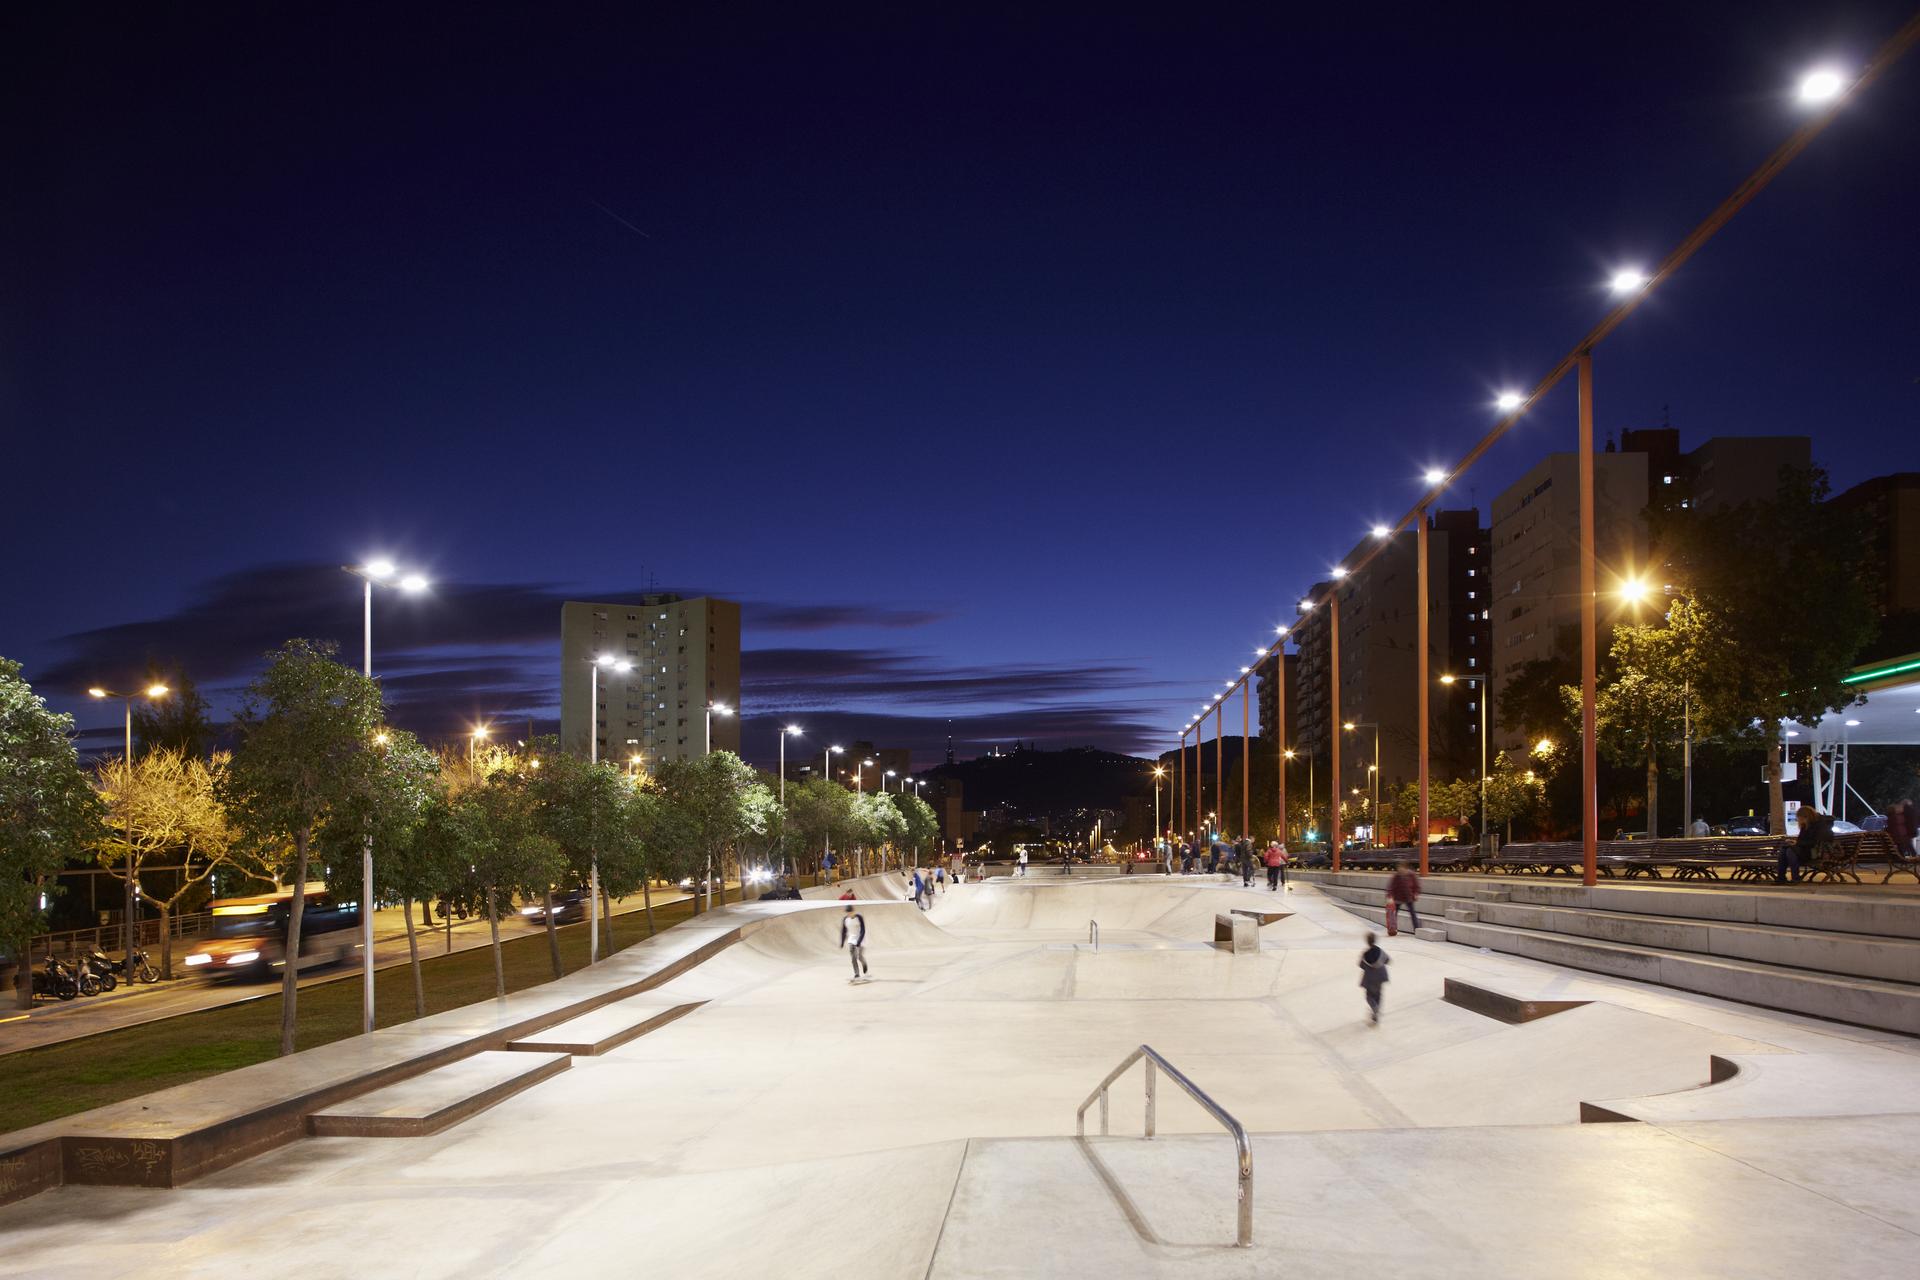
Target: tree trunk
(290, 974)
(413, 956)
(646, 896)
(493, 923)
(553, 938)
(1653, 791)
(166, 940)
(1776, 798)
(426, 914)
(606, 922)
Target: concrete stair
(439, 1098)
(1819, 955)
(606, 1028)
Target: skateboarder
(853, 935)
(1373, 975)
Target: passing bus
(249, 937)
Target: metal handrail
(1240, 1141)
(1093, 933)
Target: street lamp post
(826, 768)
(383, 572)
(715, 709)
(786, 731)
(593, 757)
(1158, 773)
(153, 693)
(883, 779)
(1373, 815)
(1479, 684)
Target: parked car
(1747, 825)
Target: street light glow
(1821, 85)
(793, 729)
(1381, 531)
(481, 732)
(1434, 476)
(1634, 590)
(380, 569)
(1543, 747)
(156, 691)
(1627, 280)
(1507, 401)
(1339, 571)
(721, 709)
(1280, 631)
(414, 583)
(1306, 606)
(1447, 679)
(96, 692)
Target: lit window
(1666, 479)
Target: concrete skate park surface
(797, 1125)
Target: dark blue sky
(1020, 370)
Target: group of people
(1183, 858)
(921, 886)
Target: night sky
(1017, 371)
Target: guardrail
(113, 937)
(1156, 1063)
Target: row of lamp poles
(1826, 89)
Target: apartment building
(684, 655)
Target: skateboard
(860, 981)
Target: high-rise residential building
(1266, 692)
(1889, 506)
(684, 657)
(1379, 655)
(1535, 540)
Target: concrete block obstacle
(605, 1029)
(1236, 932)
(439, 1099)
(1512, 1010)
(1264, 917)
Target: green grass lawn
(61, 1079)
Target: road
(50, 1023)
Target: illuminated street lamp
(1508, 401)
(1627, 280)
(382, 572)
(1158, 773)
(152, 693)
(1373, 816)
(715, 709)
(1381, 531)
(883, 780)
(595, 665)
(1434, 477)
(1821, 86)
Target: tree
(494, 828)
(165, 804)
(306, 742)
(1642, 704)
(876, 822)
(177, 722)
(922, 825)
(1784, 612)
(820, 815)
(587, 810)
(764, 833)
(47, 813)
(404, 779)
(1514, 791)
(702, 810)
(1531, 700)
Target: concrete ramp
(1173, 908)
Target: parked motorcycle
(56, 980)
(95, 963)
(143, 970)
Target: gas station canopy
(1890, 716)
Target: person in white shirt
(1022, 860)
(853, 935)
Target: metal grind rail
(1093, 934)
(1156, 1064)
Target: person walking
(1020, 863)
(939, 879)
(1402, 889)
(1243, 858)
(1373, 976)
(853, 935)
(1277, 867)
(1900, 826)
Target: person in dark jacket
(1900, 826)
(1402, 889)
(1243, 861)
(1814, 828)
(1373, 975)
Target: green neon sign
(1861, 677)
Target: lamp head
(379, 569)
(96, 692)
(414, 583)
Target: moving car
(568, 908)
(249, 938)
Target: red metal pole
(1199, 776)
(1333, 732)
(1589, 759)
(1180, 784)
(1424, 606)
(1220, 759)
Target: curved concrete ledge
(1512, 1010)
(1773, 1086)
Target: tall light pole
(1373, 817)
(1480, 692)
(1158, 773)
(826, 766)
(786, 731)
(152, 693)
(382, 572)
(622, 667)
(883, 778)
(715, 709)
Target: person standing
(1020, 863)
(1373, 975)
(853, 935)
(1243, 858)
(1277, 867)
(939, 879)
(1402, 889)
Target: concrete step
(606, 1028)
(437, 1099)
(1854, 954)
(1868, 1002)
